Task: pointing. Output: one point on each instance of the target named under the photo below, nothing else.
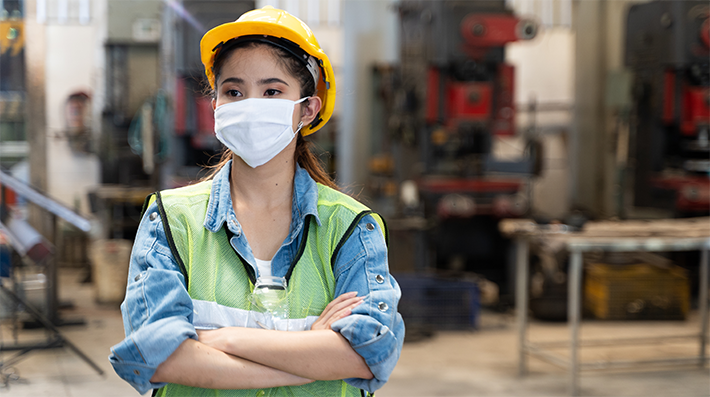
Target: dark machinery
(157, 123)
(668, 51)
(151, 135)
(450, 97)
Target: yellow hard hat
(283, 29)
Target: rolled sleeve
(375, 329)
(157, 310)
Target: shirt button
(379, 279)
(138, 277)
(260, 393)
(370, 227)
(137, 372)
(153, 216)
(382, 306)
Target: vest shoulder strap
(156, 197)
(149, 200)
(329, 197)
(171, 240)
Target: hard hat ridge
(292, 48)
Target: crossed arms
(247, 358)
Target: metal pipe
(53, 278)
(631, 363)
(521, 300)
(168, 44)
(45, 202)
(616, 341)
(574, 292)
(543, 107)
(703, 306)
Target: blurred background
(451, 117)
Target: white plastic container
(109, 266)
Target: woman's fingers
(344, 312)
(335, 310)
(341, 302)
(338, 303)
(347, 304)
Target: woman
(195, 318)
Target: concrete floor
(476, 363)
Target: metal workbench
(663, 236)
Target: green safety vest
(214, 272)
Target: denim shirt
(158, 311)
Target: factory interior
(543, 168)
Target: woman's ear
(310, 109)
(214, 103)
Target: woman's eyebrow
(272, 80)
(235, 80)
(238, 80)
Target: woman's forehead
(253, 63)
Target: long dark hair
(304, 154)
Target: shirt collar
(305, 194)
(220, 210)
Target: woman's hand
(338, 308)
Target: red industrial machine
(451, 96)
(668, 50)
(483, 97)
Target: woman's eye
(233, 93)
(271, 92)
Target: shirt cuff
(128, 357)
(136, 375)
(381, 352)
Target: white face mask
(256, 129)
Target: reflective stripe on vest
(211, 315)
(220, 282)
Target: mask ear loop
(300, 123)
